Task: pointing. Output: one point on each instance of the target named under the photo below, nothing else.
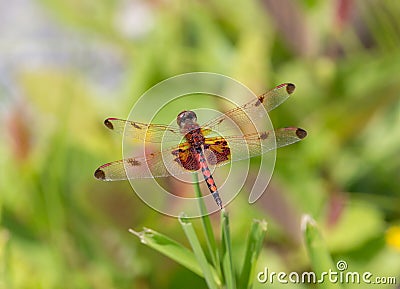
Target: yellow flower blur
(393, 237)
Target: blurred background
(66, 65)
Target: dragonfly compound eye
(186, 115)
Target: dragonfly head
(186, 116)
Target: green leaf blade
(208, 270)
(321, 260)
(253, 249)
(226, 256)
(169, 248)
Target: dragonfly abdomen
(209, 179)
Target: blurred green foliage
(61, 228)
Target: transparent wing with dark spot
(160, 164)
(154, 133)
(219, 153)
(240, 115)
(248, 146)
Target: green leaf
(321, 260)
(253, 249)
(226, 256)
(209, 272)
(169, 248)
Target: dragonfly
(200, 147)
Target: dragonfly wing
(217, 151)
(174, 161)
(248, 146)
(154, 133)
(243, 115)
(288, 135)
(276, 96)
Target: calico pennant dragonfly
(199, 148)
